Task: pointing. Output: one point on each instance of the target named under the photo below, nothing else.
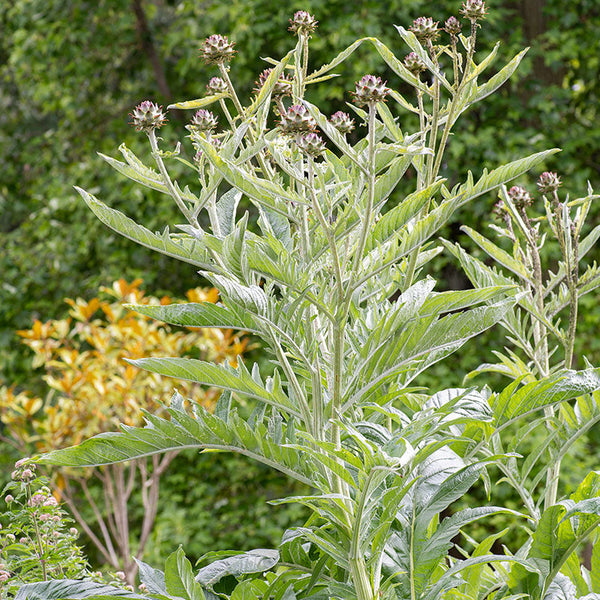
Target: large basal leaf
(412, 552)
(71, 589)
(254, 561)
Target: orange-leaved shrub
(92, 388)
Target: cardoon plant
(330, 279)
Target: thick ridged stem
(368, 218)
(187, 213)
(240, 109)
(540, 340)
(435, 115)
(234, 97)
(326, 230)
(422, 119)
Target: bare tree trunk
(147, 43)
(534, 25)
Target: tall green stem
(540, 339)
(167, 180)
(368, 217)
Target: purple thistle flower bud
(204, 120)
(312, 144)
(217, 49)
(9, 499)
(452, 26)
(370, 89)
(216, 86)
(548, 182)
(520, 196)
(297, 120)
(474, 10)
(147, 117)
(342, 121)
(414, 64)
(425, 28)
(283, 87)
(303, 23)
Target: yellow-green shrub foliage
(91, 386)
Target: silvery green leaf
(181, 247)
(254, 561)
(200, 430)
(199, 103)
(71, 589)
(179, 579)
(152, 578)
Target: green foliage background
(71, 70)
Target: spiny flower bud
(217, 49)
(548, 182)
(520, 196)
(215, 142)
(147, 117)
(203, 120)
(312, 144)
(217, 86)
(414, 64)
(297, 120)
(425, 28)
(303, 23)
(370, 89)
(474, 10)
(342, 121)
(283, 87)
(452, 26)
